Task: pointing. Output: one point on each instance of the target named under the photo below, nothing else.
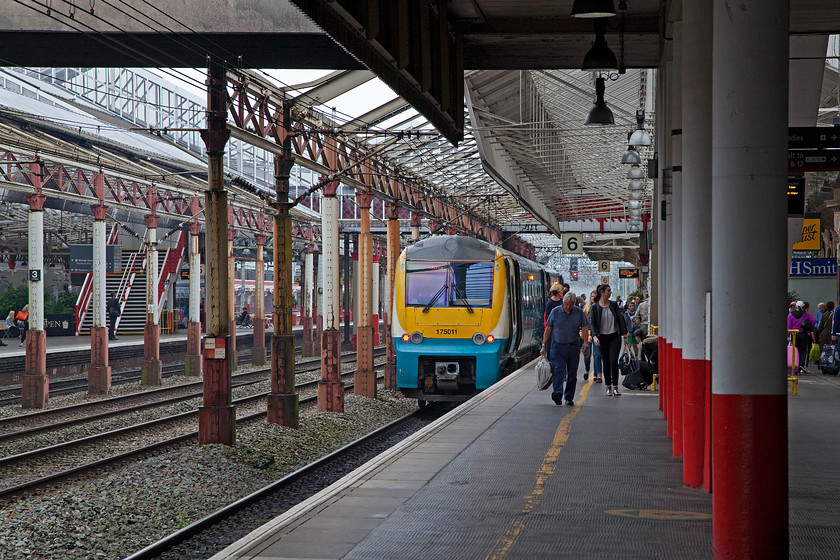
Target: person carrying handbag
(608, 330)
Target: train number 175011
(446, 331)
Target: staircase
(130, 286)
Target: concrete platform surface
(511, 475)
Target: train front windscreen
(448, 284)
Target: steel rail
(24, 487)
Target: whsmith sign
(813, 268)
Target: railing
(171, 264)
(167, 322)
(127, 280)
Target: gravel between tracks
(125, 509)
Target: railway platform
(511, 475)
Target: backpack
(634, 381)
(628, 363)
(829, 360)
(114, 307)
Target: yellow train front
(465, 314)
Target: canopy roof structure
(527, 165)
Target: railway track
(11, 395)
(224, 526)
(51, 419)
(15, 468)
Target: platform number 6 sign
(572, 243)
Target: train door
(514, 297)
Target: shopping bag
(543, 374)
(814, 354)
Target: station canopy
(527, 164)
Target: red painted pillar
(217, 416)
(35, 385)
(707, 454)
(364, 381)
(749, 400)
(99, 372)
(392, 212)
(283, 402)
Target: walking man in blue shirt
(565, 328)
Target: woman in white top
(608, 327)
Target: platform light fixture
(599, 113)
(593, 8)
(600, 57)
(635, 172)
(640, 137)
(631, 156)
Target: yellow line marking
(505, 542)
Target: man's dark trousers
(564, 365)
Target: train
(465, 314)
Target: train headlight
(478, 338)
(416, 337)
(406, 338)
(490, 338)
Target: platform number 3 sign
(572, 243)
(34, 275)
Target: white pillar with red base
(35, 385)
(750, 516)
(330, 388)
(696, 247)
(151, 370)
(99, 372)
(374, 318)
(308, 295)
(193, 361)
(675, 272)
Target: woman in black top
(608, 328)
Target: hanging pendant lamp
(631, 156)
(600, 113)
(600, 57)
(593, 8)
(640, 137)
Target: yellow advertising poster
(810, 236)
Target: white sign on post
(572, 243)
